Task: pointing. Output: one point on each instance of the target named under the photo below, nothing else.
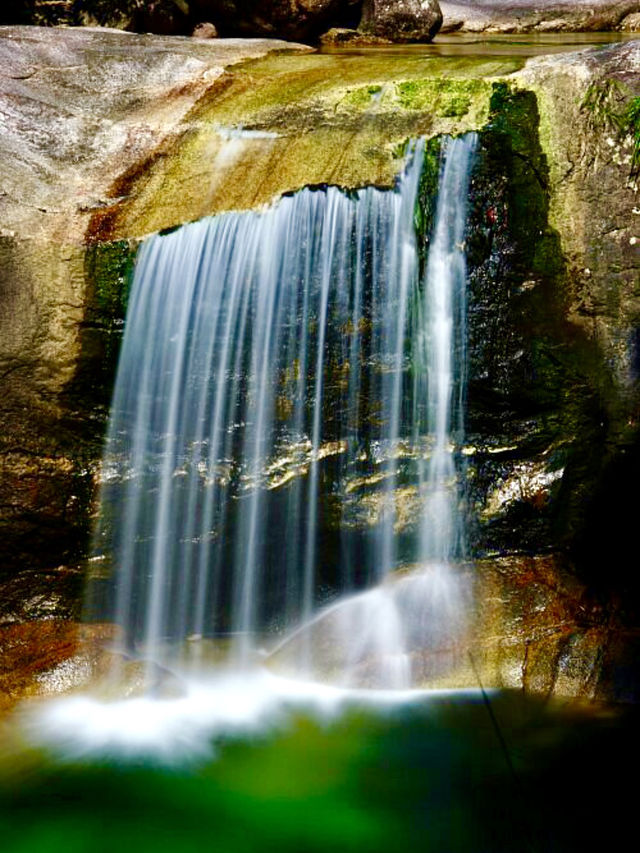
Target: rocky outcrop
(300, 20)
(108, 136)
(77, 107)
(587, 102)
(532, 628)
(409, 20)
(401, 20)
(398, 20)
(522, 16)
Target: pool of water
(524, 45)
(455, 772)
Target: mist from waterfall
(272, 363)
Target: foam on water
(188, 727)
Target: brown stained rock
(47, 657)
(521, 16)
(401, 20)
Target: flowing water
(257, 346)
(283, 467)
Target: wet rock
(593, 196)
(552, 450)
(538, 15)
(41, 658)
(507, 622)
(402, 20)
(338, 36)
(205, 31)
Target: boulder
(205, 31)
(631, 24)
(289, 19)
(78, 107)
(539, 15)
(402, 20)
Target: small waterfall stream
(273, 362)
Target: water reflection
(523, 45)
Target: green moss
(605, 108)
(442, 96)
(427, 196)
(109, 268)
(363, 96)
(108, 275)
(457, 106)
(631, 125)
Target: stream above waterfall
(524, 45)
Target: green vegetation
(601, 105)
(442, 96)
(608, 107)
(631, 125)
(109, 268)
(427, 196)
(362, 96)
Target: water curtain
(275, 365)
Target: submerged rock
(339, 36)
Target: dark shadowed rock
(290, 19)
(402, 20)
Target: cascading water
(266, 372)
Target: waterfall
(440, 341)
(275, 364)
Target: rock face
(108, 136)
(401, 20)
(291, 19)
(521, 16)
(593, 207)
(533, 629)
(76, 108)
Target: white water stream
(269, 358)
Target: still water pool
(452, 772)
